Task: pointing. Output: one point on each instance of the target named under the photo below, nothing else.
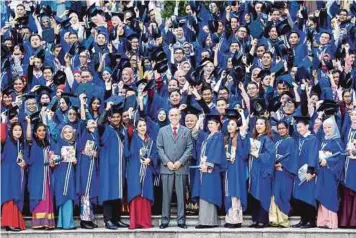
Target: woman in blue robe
(329, 174)
(140, 167)
(39, 176)
(261, 173)
(207, 180)
(237, 146)
(64, 178)
(13, 179)
(87, 174)
(285, 170)
(347, 215)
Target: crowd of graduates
(266, 89)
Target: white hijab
(336, 133)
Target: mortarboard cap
(232, 113)
(258, 106)
(302, 73)
(130, 102)
(35, 117)
(115, 99)
(278, 68)
(192, 110)
(287, 79)
(53, 104)
(59, 78)
(213, 25)
(43, 90)
(40, 54)
(329, 107)
(12, 112)
(8, 90)
(301, 118)
(161, 66)
(28, 96)
(283, 28)
(65, 23)
(213, 115)
(316, 90)
(46, 10)
(22, 22)
(274, 104)
(256, 29)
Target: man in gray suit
(175, 146)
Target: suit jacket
(171, 149)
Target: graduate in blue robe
(237, 147)
(285, 171)
(13, 179)
(114, 150)
(207, 180)
(308, 147)
(329, 174)
(140, 168)
(261, 173)
(64, 178)
(347, 215)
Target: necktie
(175, 134)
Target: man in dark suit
(175, 146)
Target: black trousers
(259, 215)
(112, 210)
(307, 212)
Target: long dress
(207, 186)
(260, 180)
(286, 155)
(87, 175)
(140, 188)
(236, 177)
(327, 183)
(347, 214)
(39, 177)
(13, 182)
(64, 187)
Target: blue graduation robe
(13, 177)
(283, 180)
(140, 186)
(237, 172)
(350, 164)
(308, 153)
(329, 177)
(207, 186)
(113, 154)
(261, 173)
(87, 168)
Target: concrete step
(174, 232)
(156, 220)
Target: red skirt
(11, 216)
(140, 213)
(347, 215)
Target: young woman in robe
(87, 174)
(13, 180)
(64, 178)
(237, 147)
(207, 180)
(261, 173)
(329, 175)
(285, 169)
(39, 176)
(347, 215)
(140, 168)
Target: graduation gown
(113, 153)
(329, 177)
(237, 172)
(207, 186)
(283, 180)
(141, 178)
(261, 172)
(308, 153)
(350, 164)
(13, 177)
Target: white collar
(307, 134)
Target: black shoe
(93, 224)
(227, 225)
(10, 228)
(309, 225)
(238, 225)
(111, 226)
(71, 228)
(121, 224)
(300, 224)
(253, 225)
(261, 225)
(163, 226)
(86, 225)
(203, 226)
(183, 226)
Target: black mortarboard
(35, 117)
(46, 11)
(316, 90)
(12, 112)
(22, 22)
(158, 54)
(59, 78)
(80, 16)
(53, 104)
(301, 118)
(232, 113)
(193, 77)
(283, 27)
(8, 90)
(274, 104)
(263, 73)
(43, 90)
(258, 106)
(213, 115)
(288, 93)
(192, 110)
(91, 11)
(302, 73)
(73, 50)
(281, 50)
(329, 107)
(161, 66)
(256, 29)
(40, 54)
(64, 94)
(28, 96)
(213, 25)
(118, 14)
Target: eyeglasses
(72, 114)
(82, 56)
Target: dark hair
(21, 5)
(45, 142)
(140, 119)
(268, 131)
(48, 67)
(91, 102)
(11, 130)
(268, 52)
(175, 90)
(343, 10)
(33, 35)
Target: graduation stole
(91, 168)
(19, 160)
(68, 172)
(145, 152)
(350, 140)
(45, 171)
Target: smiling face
(17, 132)
(162, 116)
(232, 127)
(328, 129)
(213, 126)
(261, 126)
(91, 125)
(141, 127)
(40, 133)
(31, 105)
(190, 121)
(68, 133)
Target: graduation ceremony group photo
(217, 110)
